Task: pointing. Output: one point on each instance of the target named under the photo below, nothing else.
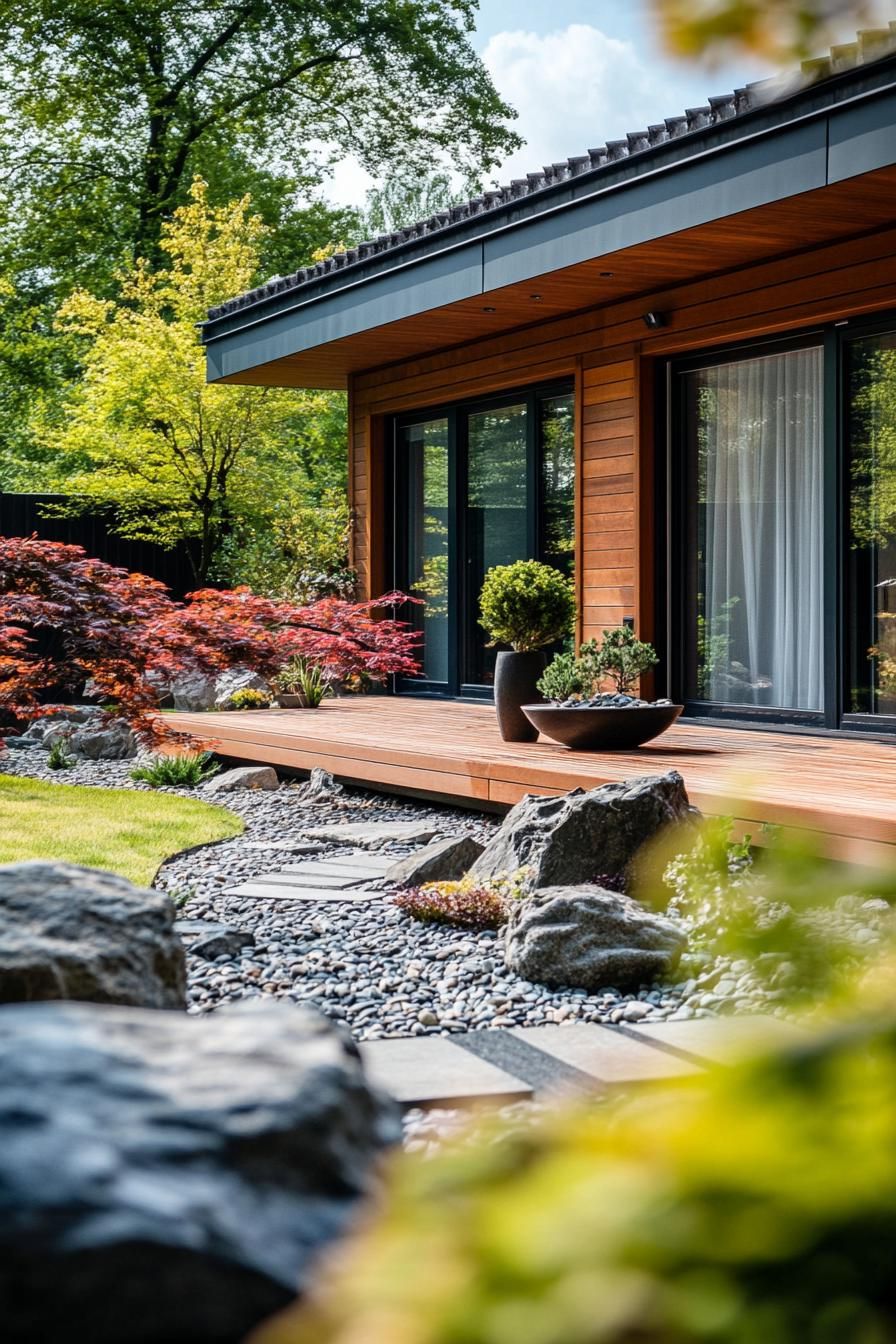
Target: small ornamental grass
(176, 772)
(59, 756)
(466, 903)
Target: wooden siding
(841, 789)
(614, 358)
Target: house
(668, 366)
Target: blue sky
(579, 72)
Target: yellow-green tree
(144, 435)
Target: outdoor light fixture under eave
(654, 320)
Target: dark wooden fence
(23, 515)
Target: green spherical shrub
(527, 605)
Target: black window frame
(457, 414)
(676, 553)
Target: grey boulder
(191, 692)
(243, 777)
(589, 938)
(442, 861)
(223, 943)
(578, 837)
(167, 1179)
(237, 679)
(112, 740)
(76, 933)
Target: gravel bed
(372, 968)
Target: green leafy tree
(144, 435)
(406, 197)
(108, 111)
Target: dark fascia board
(838, 129)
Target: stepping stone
(297, 877)
(190, 927)
(355, 872)
(720, 1040)
(288, 846)
(376, 833)
(273, 891)
(605, 1055)
(430, 1070)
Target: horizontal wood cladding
(612, 356)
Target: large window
(754, 430)
(871, 432)
(782, 476)
(474, 486)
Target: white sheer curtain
(760, 481)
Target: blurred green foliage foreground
(752, 1205)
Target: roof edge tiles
(870, 46)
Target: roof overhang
(474, 279)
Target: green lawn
(123, 830)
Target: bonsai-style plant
(302, 680)
(527, 605)
(620, 658)
(584, 712)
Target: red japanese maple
(66, 620)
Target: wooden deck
(844, 789)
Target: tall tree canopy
(108, 110)
(143, 434)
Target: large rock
(61, 722)
(237, 679)
(169, 1179)
(243, 777)
(579, 837)
(192, 691)
(589, 938)
(442, 861)
(111, 740)
(76, 933)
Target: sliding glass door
(422, 477)
(871, 440)
(782, 476)
(496, 517)
(474, 486)
(755, 460)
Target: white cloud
(574, 88)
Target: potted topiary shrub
(301, 684)
(582, 716)
(527, 605)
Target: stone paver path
(345, 877)
(494, 1065)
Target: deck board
(844, 789)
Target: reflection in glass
(755, 438)
(496, 514)
(558, 482)
(424, 454)
(871, 411)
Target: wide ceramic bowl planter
(515, 678)
(602, 729)
(288, 700)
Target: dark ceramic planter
(602, 729)
(515, 678)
